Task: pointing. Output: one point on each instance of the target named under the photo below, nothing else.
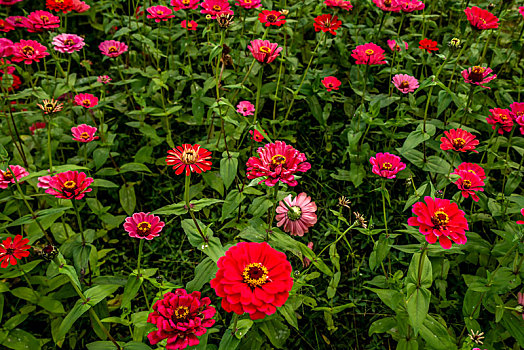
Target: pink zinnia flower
(277, 162)
(28, 51)
(6, 26)
(43, 181)
(257, 135)
(394, 46)
(481, 19)
(410, 5)
(386, 165)
(80, 6)
(160, 13)
(68, 43)
(86, 100)
(458, 140)
(104, 79)
(185, 4)
(192, 25)
(405, 83)
(300, 218)
(36, 126)
(84, 133)
(502, 117)
(517, 110)
(112, 48)
(248, 4)
(387, 5)
(346, 5)
(38, 21)
(264, 51)
(8, 176)
(478, 75)
(143, 226)
(69, 185)
(472, 168)
(440, 219)
(16, 21)
(369, 54)
(469, 183)
(6, 47)
(214, 7)
(521, 222)
(521, 10)
(245, 108)
(331, 83)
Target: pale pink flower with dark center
(104, 79)
(28, 51)
(160, 13)
(84, 133)
(68, 43)
(300, 217)
(405, 83)
(215, 7)
(8, 176)
(246, 108)
(264, 51)
(394, 46)
(38, 21)
(112, 48)
(80, 6)
(478, 75)
(6, 47)
(386, 165)
(143, 225)
(501, 117)
(248, 4)
(69, 185)
(185, 4)
(86, 100)
(369, 54)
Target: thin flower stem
(489, 142)
(140, 247)
(235, 321)
(79, 220)
(188, 205)
(272, 214)
(421, 261)
(259, 89)
(384, 206)
(21, 269)
(364, 90)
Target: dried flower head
(361, 219)
(50, 106)
(344, 202)
(224, 19)
(476, 336)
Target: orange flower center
(84, 135)
(265, 49)
(28, 50)
(503, 117)
(44, 18)
(217, 8)
(247, 1)
(69, 184)
(255, 274)
(181, 313)
(160, 12)
(189, 157)
(458, 142)
(189, 25)
(143, 228)
(112, 49)
(59, 1)
(440, 218)
(369, 52)
(387, 3)
(404, 84)
(466, 183)
(278, 159)
(8, 175)
(387, 166)
(86, 103)
(186, 2)
(69, 42)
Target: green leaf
(135, 167)
(233, 200)
(392, 298)
(130, 290)
(228, 169)
(51, 305)
(425, 277)
(229, 341)
(204, 272)
(436, 335)
(18, 272)
(276, 331)
(243, 326)
(78, 310)
(26, 294)
(381, 249)
(213, 248)
(18, 339)
(104, 183)
(417, 305)
(127, 198)
(100, 156)
(383, 325)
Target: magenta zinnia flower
(405, 83)
(38, 21)
(191, 158)
(191, 25)
(86, 100)
(143, 226)
(68, 43)
(248, 4)
(180, 317)
(478, 75)
(458, 140)
(440, 219)
(257, 135)
(481, 19)
(9, 2)
(300, 218)
(331, 83)
(215, 7)
(8, 176)
(5, 26)
(84, 133)
(386, 165)
(521, 222)
(112, 48)
(387, 5)
(16, 21)
(185, 4)
(472, 168)
(469, 183)
(160, 13)
(410, 5)
(394, 46)
(264, 51)
(369, 54)
(69, 185)
(502, 118)
(6, 47)
(28, 51)
(346, 5)
(277, 162)
(517, 110)
(245, 108)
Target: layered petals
(300, 217)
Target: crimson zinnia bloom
(84, 133)
(387, 5)
(185, 4)
(191, 25)
(458, 140)
(386, 165)
(369, 54)
(469, 183)
(28, 51)
(478, 75)
(60, 5)
(257, 135)
(346, 5)
(271, 18)
(472, 168)
(6, 26)
(481, 19)
(215, 7)
(13, 250)
(36, 126)
(300, 218)
(517, 110)
(192, 158)
(112, 48)
(327, 23)
(428, 45)
(264, 51)
(86, 100)
(440, 219)
(69, 185)
(277, 162)
(7, 177)
(143, 225)
(331, 83)
(160, 13)
(180, 317)
(502, 118)
(37, 21)
(253, 278)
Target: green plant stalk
(384, 206)
(421, 261)
(27, 280)
(79, 220)
(363, 96)
(377, 33)
(486, 46)
(272, 214)
(504, 183)
(235, 321)
(217, 73)
(140, 247)
(489, 142)
(188, 205)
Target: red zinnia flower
(481, 19)
(36, 126)
(13, 250)
(6, 26)
(180, 317)
(502, 117)
(248, 4)
(521, 222)
(458, 140)
(428, 45)
(253, 278)
(517, 110)
(28, 51)
(331, 83)
(191, 25)
(386, 165)
(440, 219)
(7, 177)
(257, 135)
(215, 7)
(271, 18)
(469, 183)
(327, 23)
(143, 225)
(472, 168)
(478, 75)
(369, 54)
(300, 218)
(60, 5)
(277, 162)
(192, 158)
(69, 185)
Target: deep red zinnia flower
(192, 158)
(12, 250)
(440, 219)
(180, 317)
(501, 117)
(386, 165)
(327, 23)
(458, 140)
(331, 83)
(69, 185)
(481, 19)
(257, 135)
(60, 5)
(472, 168)
(469, 183)
(369, 53)
(6, 26)
(277, 162)
(36, 126)
(478, 75)
(271, 18)
(253, 278)
(428, 45)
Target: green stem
(140, 247)
(489, 142)
(79, 220)
(272, 214)
(259, 89)
(20, 268)
(363, 96)
(188, 205)
(384, 206)
(235, 321)
(421, 261)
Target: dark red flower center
(8, 175)
(9, 251)
(404, 84)
(28, 50)
(466, 184)
(295, 213)
(180, 313)
(271, 18)
(477, 74)
(458, 142)
(143, 228)
(278, 159)
(255, 274)
(69, 185)
(387, 166)
(69, 42)
(440, 218)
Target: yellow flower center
(255, 274)
(181, 313)
(387, 166)
(369, 52)
(265, 49)
(143, 228)
(44, 18)
(440, 218)
(472, 171)
(28, 50)
(8, 175)
(466, 183)
(458, 142)
(112, 49)
(271, 18)
(69, 184)
(186, 2)
(404, 84)
(247, 1)
(295, 213)
(69, 42)
(86, 103)
(217, 8)
(278, 159)
(477, 73)
(160, 12)
(84, 135)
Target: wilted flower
(68, 43)
(160, 13)
(271, 18)
(361, 219)
(369, 54)
(190, 158)
(501, 117)
(28, 51)
(386, 165)
(405, 83)
(331, 83)
(476, 337)
(344, 202)
(50, 106)
(49, 252)
(264, 51)
(143, 225)
(8, 176)
(84, 133)
(12, 250)
(297, 215)
(455, 43)
(481, 19)
(327, 23)
(478, 75)
(458, 140)
(112, 48)
(69, 185)
(224, 20)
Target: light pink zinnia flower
(68, 43)
(502, 117)
(104, 79)
(6, 47)
(369, 53)
(84, 133)
(248, 4)
(387, 5)
(112, 48)
(394, 46)
(185, 4)
(69, 185)
(405, 83)
(410, 5)
(38, 21)
(86, 100)
(264, 51)
(160, 13)
(301, 216)
(214, 7)
(28, 51)
(80, 6)
(386, 165)
(478, 75)
(245, 108)
(8, 176)
(143, 225)
(43, 181)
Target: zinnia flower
(104, 79)
(112, 48)
(331, 83)
(305, 261)
(43, 181)
(410, 5)
(253, 278)
(521, 222)
(12, 250)
(478, 75)
(271, 18)
(469, 183)
(245, 108)
(256, 135)
(84, 133)
(428, 45)
(394, 46)
(180, 317)
(369, 53)
(481, 19)
(185, 4)
(346, 5)
(214, 7)
(248, 4)
(300, 218)
(405, 83)
(9, 2)
(387, 5)
(69, 185)
(160, 13)
(38, 21)
(502, 118)
(8, 177)
(191, 25)
(60, 5)
(517, 110)
(16, 21)
(50, 106)
(264, 51)
(458, 140)
(6, 26)
(386, 165)
(36, 126)
(28, 51)
(440, 219)
(143, 226)
(521, 10)
(6, 47)
(277, 162)
(68, 43)
(80, 6)
(192, 158)
(472, 168)
(327, 23)
(86, 100)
